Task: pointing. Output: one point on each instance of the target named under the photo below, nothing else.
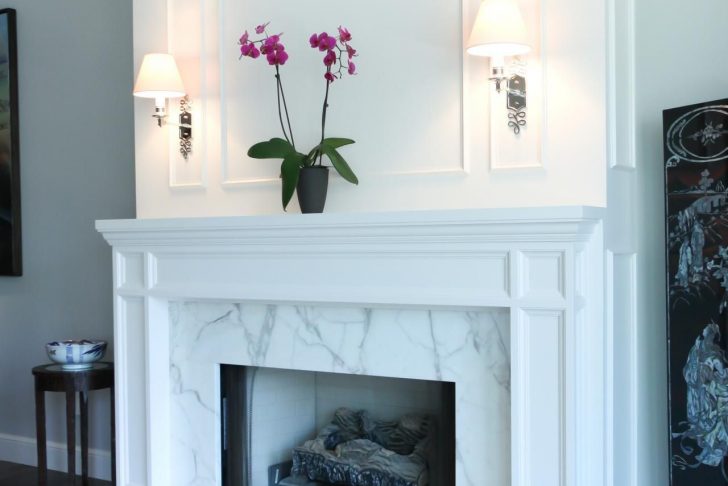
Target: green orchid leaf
(339, 163)
(338, 142)
(275, 148)
(290, 170)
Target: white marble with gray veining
(468, 348)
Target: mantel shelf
(565, 223)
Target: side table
(53, 378)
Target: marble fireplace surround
(469, 349)
(543, 265)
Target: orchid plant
(338, 61)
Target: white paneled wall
(421, 120)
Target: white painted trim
(543, 140)
(621, 129)
(546, 224)
(611, 55)
(202, 142)
(121, 356)
(630, 96)
(223, 110)
(520, 362)
(199, 120)
(533, 168)
(634, 381)
(545, 264)
(429, 172)
(628, 467)
(157, 311)
(622, 435)
(609, 363)
(335, 178)
(466, 106)
(22, 450)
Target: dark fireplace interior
(302, 428)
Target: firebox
(304, 428)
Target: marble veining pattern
(469, 348)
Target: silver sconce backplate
(185, 127)
(516, 102)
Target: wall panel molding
(621, 99)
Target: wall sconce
(499, 32)
(159, 79)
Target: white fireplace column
(544, 265)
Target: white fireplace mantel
(546, 265)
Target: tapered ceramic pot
(313, 183)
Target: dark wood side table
(54, 378)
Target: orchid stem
(285, 107)
(280, 115)
(323, 116)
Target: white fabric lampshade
(499, 30)
(159, 78)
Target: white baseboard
(22, 450)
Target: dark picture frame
(11, 260)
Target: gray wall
(680, 60)
(77, 165)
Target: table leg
(83, 396)
(40, 433)
(71, 435)
(113, 436)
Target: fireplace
(292, 427)
(418, 296)
(434, 353)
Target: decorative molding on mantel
(546, 265)
(568, 223)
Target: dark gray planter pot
(313, 183)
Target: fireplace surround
(446, 346)
(543, 265)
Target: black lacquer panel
(696, 177)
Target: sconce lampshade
(159, 78)
(499, 30)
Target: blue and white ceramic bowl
(75, 354)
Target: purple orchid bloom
(350, 51)
(277, 57)
(344, 35)
(330, 58)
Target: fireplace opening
(302, 428)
